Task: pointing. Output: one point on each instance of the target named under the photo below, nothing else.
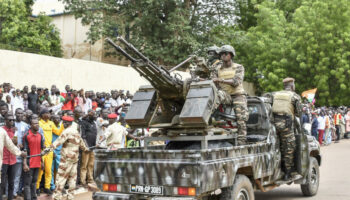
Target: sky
(48, 6)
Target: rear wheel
(313, 179)
(242, 189)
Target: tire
(242, 189)
(313, 178)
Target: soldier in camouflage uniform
(229, 79)
(202, 68)
(213, 55)
(286, 105)
(71, 141)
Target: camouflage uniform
(234, 93)
(206, 69)
(286, 105)
(213, 57)
(71, 141)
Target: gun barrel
(138, 53)
(182, 63)
(158, 76)
(36, 155)
(122, 51)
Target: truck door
(302, 150)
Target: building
(73, 33)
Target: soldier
(213, 60)
(213, 55)
(286, 105)
(71, 141)
(230, 81)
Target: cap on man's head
(288, 79)
(112, 116)
(67, 118)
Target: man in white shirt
(121, 99)
(113, 100)
(102, 124)
(88, 102)
(17, 101)
(321, 126)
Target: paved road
(335, 178)
(334, 181)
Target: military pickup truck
(201, 158)
(184, 170)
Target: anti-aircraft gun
(176, 107)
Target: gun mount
(170, 103)
(169, 87)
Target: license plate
(146, 189)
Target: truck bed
(205, 170)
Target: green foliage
(20, 32)
(312, 45)
(305, 39)
(167, 31)
(246, 10)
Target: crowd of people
(43, 120)
(37, 120)
(327, 124)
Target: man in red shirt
(33, 144)
(69, 100)
(9, 160)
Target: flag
(309, 94)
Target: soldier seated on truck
(213, 56)
(286, 105)
(230, 83)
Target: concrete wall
(26, 69)
(22, 69)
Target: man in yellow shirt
(48, 127)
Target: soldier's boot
(93, 187)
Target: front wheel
(313, 179)
(242, 189)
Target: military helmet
(228, 48)
(214, 48)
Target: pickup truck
(211, 167)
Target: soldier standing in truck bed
(286, 105)
(230, 80)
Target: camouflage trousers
(284, 127)
(67, 172)
(239, 103)
(223, 98)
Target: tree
(321, 49)
(245, 10)
(167, 31)
(20, 32)
(312, 45)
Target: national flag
(309, 94)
